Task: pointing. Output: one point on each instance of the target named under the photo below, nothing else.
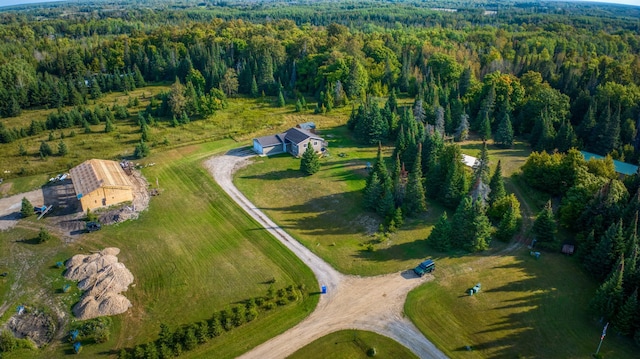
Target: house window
(315, 143)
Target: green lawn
(352, 344)
(192, 253)
(324, 211)
(527, 308)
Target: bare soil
(36, 325)
(351, 302)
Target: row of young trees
(172, 343)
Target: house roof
(297, 135)
(272, 140)
(621, 167)
(93, 174)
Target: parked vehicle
(93, 226)
(427, 266)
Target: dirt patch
(102, 278)
(35, 325)
(5, 188)
(141, 195)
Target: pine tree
(504, 134)
(253, 91)
(480, 236)
(415, 202)
(439, 114)
(462, 132)
(142, 150)
(26, 209)
(625, 318)
(510, 221)
(144, 133)
(280, 102)
(598, 262)
(497, 185)
(481, 168)
(440, 237)
(372, 191)
(310, 162)
(108, 126)
(386, 205)
(609, 296)
(484, 131)
(62, 149)
(566, 138)
(298, 105)
(21, 150)
(544, 227)
(45, 150)
(463, 228)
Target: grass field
(192, 253)
(352, 344)
(527, 308)
(324, 211)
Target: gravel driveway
(367, 303)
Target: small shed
(101, 183)
(568, 249)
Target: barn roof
(93, 174)
(297, 135)
(620, 167)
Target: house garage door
(272, 150)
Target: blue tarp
(621, 167)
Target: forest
(562, 76)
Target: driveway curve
(351, 302)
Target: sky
(16, 2)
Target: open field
(192, 253)
(352, 344)
(527, 308)
(323, 211)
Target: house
(101, 183)
(294, 141)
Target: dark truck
(427, 266)
(93, 226)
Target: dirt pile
(102, 278)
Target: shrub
(43, 236)
(27, 208)
(371, 352)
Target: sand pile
(102, 278)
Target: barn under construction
(101, 183)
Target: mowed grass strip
(192, 253)
(352, 344)
(527, 308)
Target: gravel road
(368, 303)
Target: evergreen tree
(45, 150)
(439, 114)
(415, 202)
(462, 132)
(418, 111)
(142, 150)
(26, 210)
(392, 101)
(144, 133)
(253, 91)
(298, 105)
(566, 138)
(21, 150)
(386, 205)
(511, 217)
(372, 191)
(497, 185)
(440, 237)
(484, 131)
(108, 126)
(624, 320)
(62, 149)
(481, 232)
(504, 134)
(609, 296)
(463, 220)
(280, 102)
(481, 167)
(310, 162)
(598, 262)
(544, 227)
